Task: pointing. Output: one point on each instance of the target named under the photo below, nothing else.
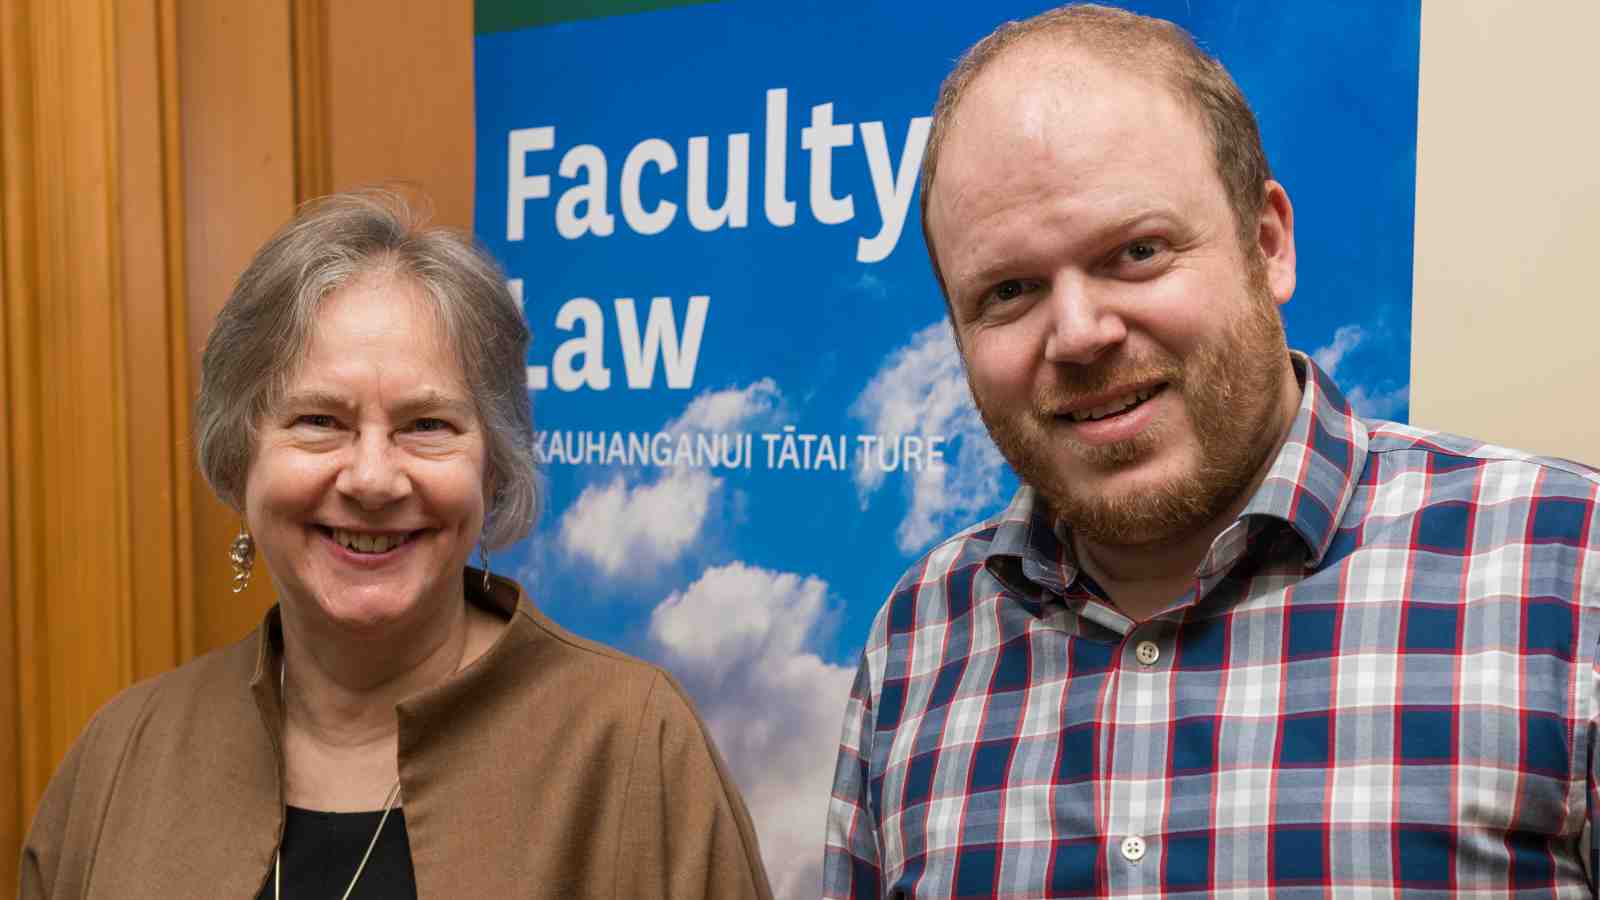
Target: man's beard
(1230, 388)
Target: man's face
(1123, 348)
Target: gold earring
(242, 554)
(484, 552)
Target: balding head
(1144, 46)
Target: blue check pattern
(1382, 683)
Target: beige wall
(1507, 314)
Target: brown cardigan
(550, 767)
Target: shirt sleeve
(852, 864)
(1589, 844)
(686, 834)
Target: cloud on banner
(738, 639)
(1383, 400)
(631, 528)
(921, 388)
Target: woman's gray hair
(261, 336)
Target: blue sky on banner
(801, 299)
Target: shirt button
(1147, 652)
(1133, 848)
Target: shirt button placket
(1146, 655)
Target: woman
(401, 724)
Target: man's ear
(1275, 242)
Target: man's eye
(316, 420)
(1010, 289)
(430, 425)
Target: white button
(1133, 849)
(1147, 652)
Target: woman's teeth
(368, 543)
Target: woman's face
(366, 492)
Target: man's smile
(1118, 405)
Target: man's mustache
(1075, 382)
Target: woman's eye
(1139, 251)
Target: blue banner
(751, 414)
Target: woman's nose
(374, 476)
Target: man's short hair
(1156, 46)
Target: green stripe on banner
(491, 16)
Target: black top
(322, 849)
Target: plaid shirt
(1382, 683)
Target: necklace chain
(388, 803)
(388, 807)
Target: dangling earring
(483, 551)
(242, 554)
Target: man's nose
(374, 476)
(1083, 322)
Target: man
(1228, 638)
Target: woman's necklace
(388, 807)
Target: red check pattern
(1382, 684)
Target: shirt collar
(1307, 488)
(1315, 473)
(1026, 547)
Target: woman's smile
(368, 549)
